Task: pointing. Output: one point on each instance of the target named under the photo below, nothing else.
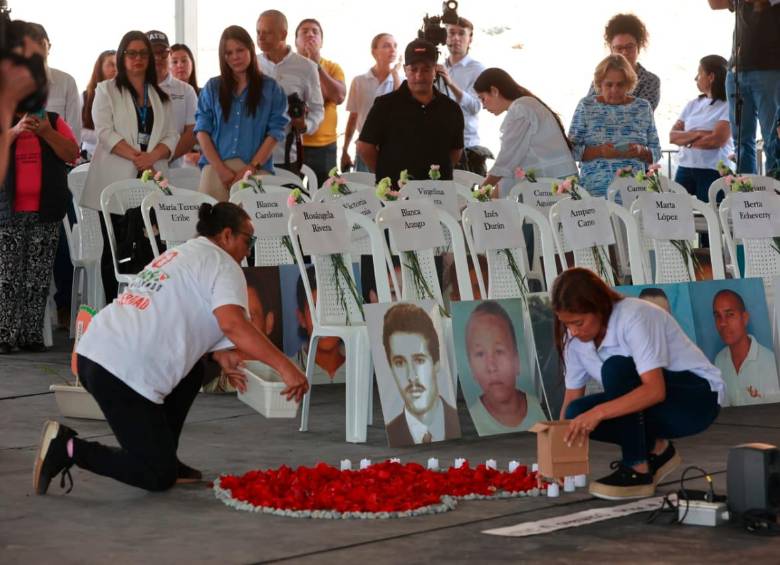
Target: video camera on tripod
(432, 29)
(12, 37)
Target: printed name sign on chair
(176, 214)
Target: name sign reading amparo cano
(585, 223)
(667, 216)
(322, 228)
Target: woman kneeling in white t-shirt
(141, 357)
(658, 385)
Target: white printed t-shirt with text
(152, 335)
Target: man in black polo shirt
(414, 127)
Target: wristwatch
(255, 166)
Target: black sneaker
(186, 474)
(664, 463)
(52, 457)
(625, 482)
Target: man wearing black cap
(414, 127)
(184, 101)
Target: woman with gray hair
(612, 130)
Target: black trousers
(148, 433)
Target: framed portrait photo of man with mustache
(415, 383)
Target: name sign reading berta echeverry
(176, 218)
(586, 223)
(443, 193)
(322, 228)
(496, 225)
(755, 215)
(667, 216)
(413, 225)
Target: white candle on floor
(459, 462)
(433, 464)
(491, 464)
(346, 465)
(513, 466)
(365, 463)
(580, 481)
(553, 490)
(568, 484)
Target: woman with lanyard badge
(658, 385)
(140, 357)
(135, 130)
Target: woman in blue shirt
(612, 130)
(241, 116)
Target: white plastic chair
(76, 180)
(467, 178)
(361, 244)
(761, 259)
(117, 198)
(283, 176)
(329, 318)
(501, 280)
(360, 177)
(584, 257)
(310, 178)
(85, 245)
(669, 264)
(270, 249)
(180, 195)
(719, 187)
(81, 168)
(184, 177)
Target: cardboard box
(554, 456)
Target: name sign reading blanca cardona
(755, 215)
(585, 223)
(495, 225)
(322, 228)
(413, 225)
(176, 218)
(667, 215)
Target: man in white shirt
(748, 367)
(458, 73)
(296, 75)
(184, 101)
(412, 348)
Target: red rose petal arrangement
(383, 490)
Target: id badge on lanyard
(144, 136)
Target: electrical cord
(670, 506)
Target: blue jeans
(321, 160)
(760, 92)
(360, 165)
(689, 408)
(696, 181)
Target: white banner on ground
(667, 215)
(578, 519)
(268, 211)
(586, 223)
(443, 193)
(413, 225)
(322, 228)
(755, 215)
(176, 217)
(496, 225)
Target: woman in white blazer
(135, 130)
(532, 135)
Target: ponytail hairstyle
(213, 218)
(228, 82)
(510, 90)
(718, 66)
(580, 291)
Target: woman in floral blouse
(612, 129)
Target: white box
(263, 388)
(75, 402)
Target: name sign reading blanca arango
(496, 225)
(585, 223)
(538, 195)
(755, 215)
(667, 215)
(268, 212)
(322, 228)
(413, 225)
(443, 193)
(176, 218)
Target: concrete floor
(102, 521)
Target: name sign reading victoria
(496, 225)
(585, 223)
(755, 215)
(322, 228)
(176, 218)
(443, 193)
(667, 216)
(413, 225)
